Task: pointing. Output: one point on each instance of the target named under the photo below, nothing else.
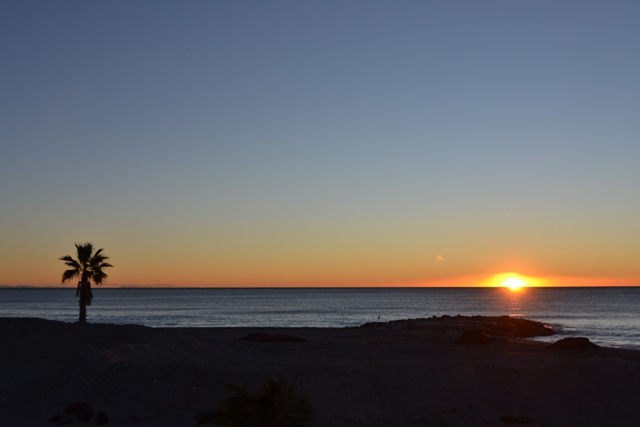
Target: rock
(263, 337)
(474, 337)
(82, 410)
(574, 343)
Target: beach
(382, 374)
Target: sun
(514, 283)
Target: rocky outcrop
(498, 326)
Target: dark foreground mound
(264, 337)
(574, 343)
(474, 337)
(497, 326)
(55, 373)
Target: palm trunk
(85, 300)
(83, 307)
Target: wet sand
(395, 374)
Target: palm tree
(87, 268)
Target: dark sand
(402, 374)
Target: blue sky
(300, 143)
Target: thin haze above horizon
(285, 143)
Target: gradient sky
(332, 143)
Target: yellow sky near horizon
(446, 250)
(335, 257)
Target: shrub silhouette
(277, 404)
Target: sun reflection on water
(514, 300)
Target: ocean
(607, 316)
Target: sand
(399, 374)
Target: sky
(333, 143)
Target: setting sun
(514, 283)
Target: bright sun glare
(514, 283)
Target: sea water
(607, 316)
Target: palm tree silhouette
(88, 267)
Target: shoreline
(382, 374)
(613, 324)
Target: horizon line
(308, 287)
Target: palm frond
(70, 274)
(99, 255)
(98, 276)
(238, 390)
(208, 417)
(96, 262)
(84, 251)
(104, 265)
(69, 261)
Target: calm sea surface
(608, 316)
